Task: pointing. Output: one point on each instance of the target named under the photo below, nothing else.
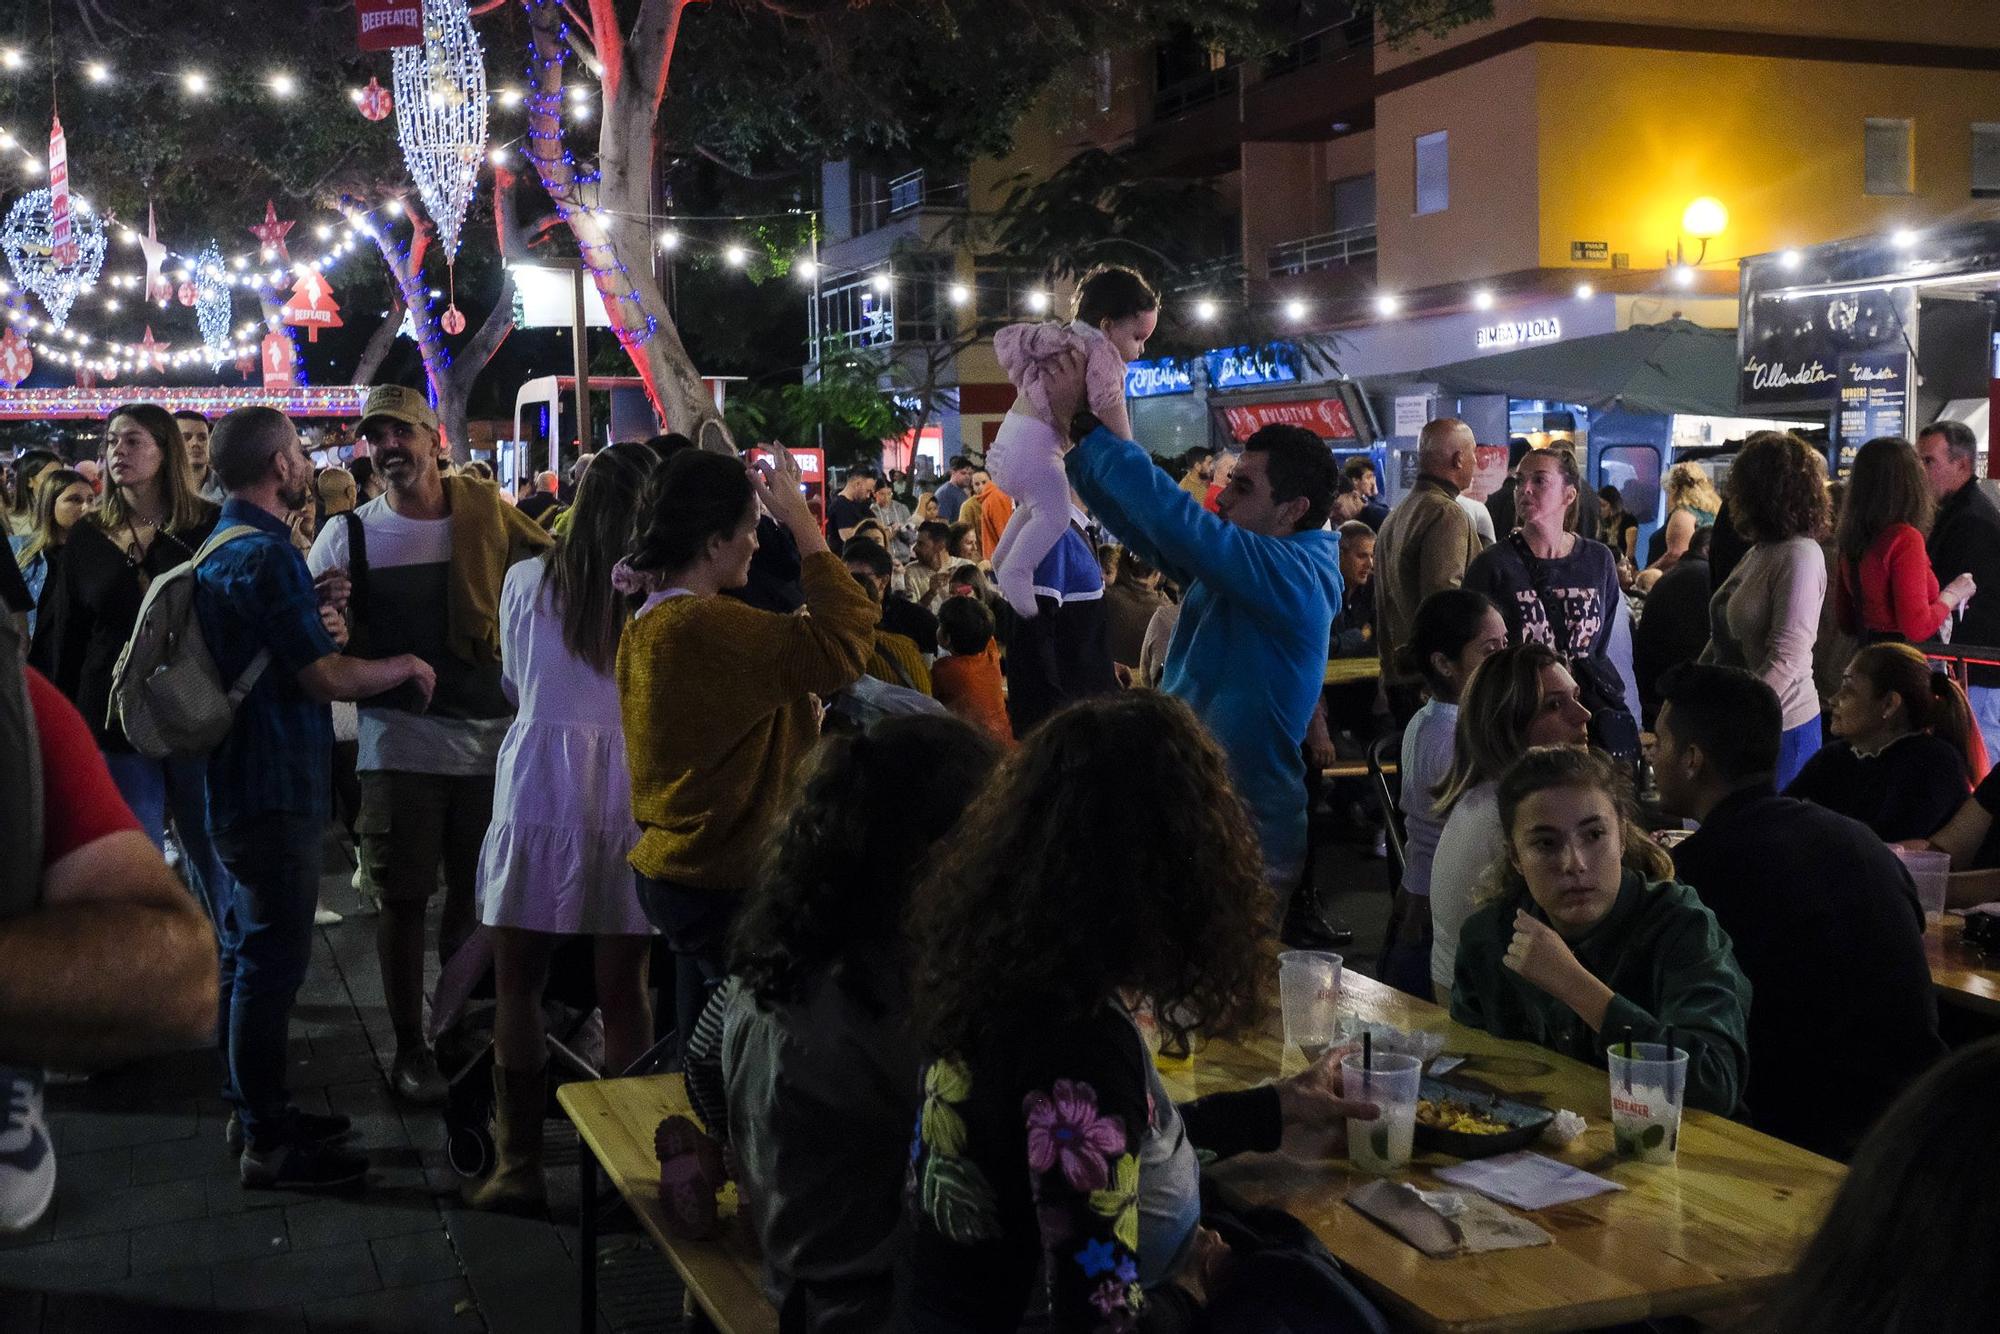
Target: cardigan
(716, 701)
(1425, 545)
(1891, 591)
(1909, 789)
(1765, 619)
(1665, 959)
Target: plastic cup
(1390, 1082)
(1648, 1086)
(1309, 996)
(1931, 871)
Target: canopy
(1671, 367)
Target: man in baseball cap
(430, 541)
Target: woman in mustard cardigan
(718, 697)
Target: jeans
(266, 931)
(1985, 701)
(1796, 745)
(695, 925)
(178, 786)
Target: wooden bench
(615, 1119)
(1963, 975)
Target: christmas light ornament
(441, 115)
(186, 294)
(211, 303)
(270, 233)
(62, 244)
(452, 321)
(17, 359)
(150, 350)
(157, 287)
(374, 101)
(28, 240)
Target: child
(967, 680)
(1056, 370)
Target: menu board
(1874, 395)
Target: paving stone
(426, 1308)
(302, 1278)
(80, 1264)
(85, 1131)
(20, 1309)
(419, 1257)
(516, 1266)
(207, 1241)
(185, 1289)
(82, 1213)
(176, 1159)
(333, 1222)
(226, 1196)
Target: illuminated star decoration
(27, 238)
(211, 303)
(441, 115)
(270, 233)
(153, 351)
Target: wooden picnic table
(1721, 1228)
(1345, 671)
(1963, 975)
(615, 1119)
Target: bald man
(1425, 545)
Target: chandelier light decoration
(28, 240)
(211, 303)
(440, 102)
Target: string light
(97, 71)
(1482, 299)
(25, 239)
(11, 59)
(440, 94)
(282, 84)
(1295, 310)
(1038, 302)
(194, 83)
(958, 295)
(1584, 291)
(670, 240)
(881, 282)
(807, 269)
(1388, 304)
(1204, 310)
(734, 256)
(211, 302)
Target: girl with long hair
(1692, 503)
(809, 1043)
(1583, 936)
(62, 498)
(1906, 750)
(1045, 1137)
(1885, 587)
(1519, 697)
(1765, 618)
(553, 863)
(1455, 631)
(719, 698)
(152, 519)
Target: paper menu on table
(1526, 1180)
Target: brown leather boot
(516, 1184)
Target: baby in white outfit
(1057, 369)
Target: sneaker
(302, 1165)
(27, 1159)
(325, 916)
(415, 1078)
(308, 1126)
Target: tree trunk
(455, 392)
(608, 215)
(376, 350)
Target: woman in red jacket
(1885, 588)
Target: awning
(1671, 367)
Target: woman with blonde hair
(62, 498)
(1583, 938)
(1519, 697)
(1692, 502)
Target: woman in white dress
(553, 863)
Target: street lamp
(1704, 219)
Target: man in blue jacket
(1261, 586)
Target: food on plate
(1457, 1117)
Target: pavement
(151, 1231)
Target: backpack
(166, 693)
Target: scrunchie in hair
(632, 582)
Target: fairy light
(282, 84)
(194, 83)
(735, 256)
(97, 71)
(670, 240)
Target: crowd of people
(882, 794)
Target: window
(1354, 202)
(1433, 173)
(1000, 291)
(1885, 151)
(1986, 161)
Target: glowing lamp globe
(1705, 218)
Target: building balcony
(1328, 250)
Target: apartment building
(1416, 203)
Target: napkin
(1526, 1180)
(1443, 1223)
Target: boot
(516, 1184)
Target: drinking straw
(1367, 1059)
(1628, 1058)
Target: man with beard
(268, 785)
(194, 434)
(421, 569)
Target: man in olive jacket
(1424, 546)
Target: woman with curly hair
(1765, 617)
(805, 1062)
(1045, 1138)
(1692, 503)
(1584, 938)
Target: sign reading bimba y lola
(387, 24)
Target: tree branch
(658, 26)
(744, 172)
(493, 331)
(376, 350)
(610, 44)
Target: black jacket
(1673, 628)
(1826, 926)
(1965, 539)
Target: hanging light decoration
(440, 99)
(211, 303)
(28, 240)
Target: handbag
(1613, 729)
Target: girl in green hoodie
(1584, 937)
